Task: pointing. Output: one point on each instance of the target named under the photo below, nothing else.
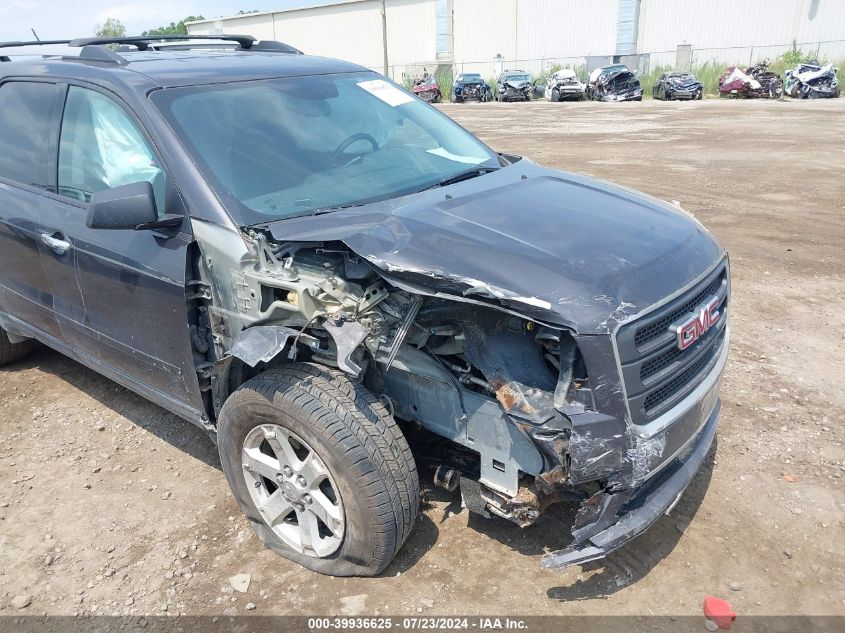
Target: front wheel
(555, 95)
(320, 469)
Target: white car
(564, 84)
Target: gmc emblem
(694, 327)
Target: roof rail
(32, 43)
(94, 49)
(143, 42)
(6, 58)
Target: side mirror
(128, 208)
(122, 208)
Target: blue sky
(62, 19)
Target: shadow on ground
(599, 579)
(141, 412)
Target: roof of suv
(178, 68)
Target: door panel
(131, 313)
(25, 285)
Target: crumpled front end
(623, 86)
(656, 411)
(530, 367)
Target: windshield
(610, 70)
(278, 148)
(681, 76)
(516, 78)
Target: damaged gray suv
(334, 279)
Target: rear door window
(26, 126)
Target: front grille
(682, 379)
(657, 375)
(656, 328)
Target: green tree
(112, 27)
(174, 28)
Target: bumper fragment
(640, 507)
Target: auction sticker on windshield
(391, 95)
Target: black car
(614, 83)
(678, 85)
(514, 85)
(322, 271)
(471, 87)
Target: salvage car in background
(770, 82)
(428, 90)
(735, 82)
(677, 85)
(564, 84)
(514, 85)
(758, 82)
(471, 87)
(315, 267)
(812, 81)
(614, 83)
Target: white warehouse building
(487, 35)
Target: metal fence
(684, 57)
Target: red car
(428, 90)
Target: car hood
(684, 83)
(620, 77)
(556, 247)
(517, 85)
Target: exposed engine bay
(521, 381)
(492, 383)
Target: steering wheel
(360, 136)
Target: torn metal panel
(348, 334)
(261, 344)
(422, 391)
(615, 524)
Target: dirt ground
(111, 505)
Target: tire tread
(347, 415)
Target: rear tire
(359, 449)
(10, 352)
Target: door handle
(58, 246)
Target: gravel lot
(111, 505)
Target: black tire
(360, 444)
(555, 95)
(700, 95)
(10, 352)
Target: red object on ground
(719, 611)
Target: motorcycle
(770, 82)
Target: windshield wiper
(462, 175)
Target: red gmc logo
(693, 328)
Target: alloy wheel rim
(293, 490)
